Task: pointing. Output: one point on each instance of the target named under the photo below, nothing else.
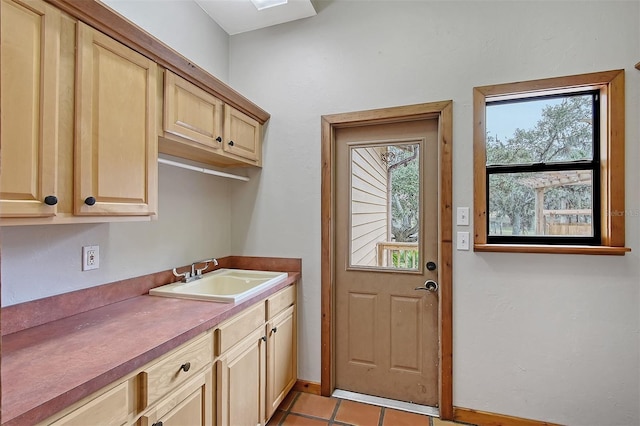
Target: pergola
(541, 182)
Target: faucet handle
(206, 265)
(185, 276)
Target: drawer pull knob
(90, 201)
(185, 367)
(157, 424)
(263, 338)
(218, 139)
(274, 329)
(51, 200)
(231, 143)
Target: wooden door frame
(442, 111)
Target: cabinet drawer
(174, 369)
(281, 300)
(231, 332)
(110, 408)
(190, 404)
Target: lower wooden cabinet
(241, 377)
(175, 389)
(255, 375)
(110, 408)
(190, 405)
(235, 375)
(282, 371)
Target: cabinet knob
(90, 201)
(157, 424)
(51, 200)
(263, 338)
(218, 139)
(185, 367)
(274, 329)
(231, 143)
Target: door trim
(442, 111)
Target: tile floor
(305, 409)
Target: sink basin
(222, 285)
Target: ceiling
(238, 16)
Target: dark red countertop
(49, 367)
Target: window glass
(385, 206)
(551, 129)
(541, 169)
(557, 203)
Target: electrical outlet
(462, 216)
(463, 241)
(90, 257)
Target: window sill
(552, 249)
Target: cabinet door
(281, 358)
(242, 135)
(191, 113)
(30, 55)
(116, 141)
(241, 382)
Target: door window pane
(385, 206)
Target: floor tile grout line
(288, 410)
(335, 411)
(381, 419)
(308, 416)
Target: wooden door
(30, 58)
(192, 113)
(241, 383)
(281, 358)
(116, 140)
(386, 231)
(242, 135)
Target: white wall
(194, 217)
(194, 209)
(183, 26)
(550, 337)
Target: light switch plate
(463, 241)
(462, 217)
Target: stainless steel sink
(222, 285)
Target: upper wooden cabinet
(116, 151)
(78, 122)
(192, 113)
(200, 127)
(242, 136)
(30, 58)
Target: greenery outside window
(549, 165)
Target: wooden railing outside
(398, 255)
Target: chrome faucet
(195, 273)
